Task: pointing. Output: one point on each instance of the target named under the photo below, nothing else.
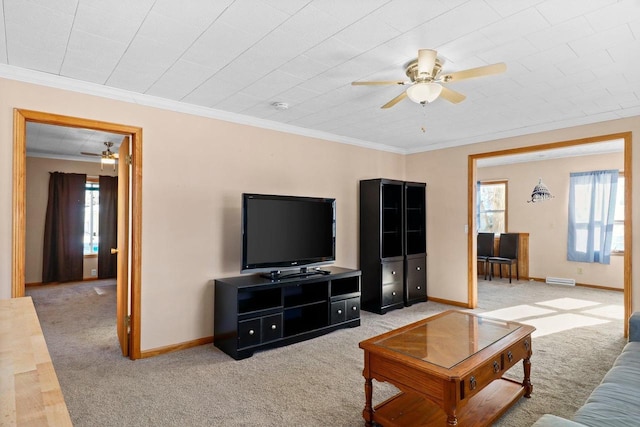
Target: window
(91, 210)
(592, 203)
(617, 242)
(492, 207)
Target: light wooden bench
(30, 393)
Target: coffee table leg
(528, 388)
(367, 413)
(452, 420)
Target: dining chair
(507, 254)
(485, 250)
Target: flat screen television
(287, 232)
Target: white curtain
(592, 203)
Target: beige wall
(36, 208)
(445, 171)
(194, 170)
(547, 222)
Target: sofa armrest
(634, 327)
(548, 420)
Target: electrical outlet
(579, 270)
(94, 272)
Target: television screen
(283, 232)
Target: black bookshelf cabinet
(392, 244)
(255, 313)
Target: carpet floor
(317, 382)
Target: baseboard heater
(560, 281)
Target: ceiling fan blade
(471, 73)
(452, 95)
(382, 82)
(426, 61)
(395, 100)
(90, 154)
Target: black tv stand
(254, 313)
(304, 272)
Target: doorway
(128, 282)
(471, 210)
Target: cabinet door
(415, 208)
(392, 294)
(344, 310)
(416, 278)
(248, 333)
(338, 312)
(353, 308)
(392, 272)
(392, 219)
(271, 328)
(392, 282)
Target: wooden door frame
(20, 119)
(472, 293)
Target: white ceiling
(68, 143)
(569, 62)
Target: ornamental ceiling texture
(568, 62)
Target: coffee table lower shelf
(408, 409)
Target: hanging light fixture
(540, 193)
(424, 92)
(108, 157)
(107, 161)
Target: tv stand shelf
(255, 313)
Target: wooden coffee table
(449, 369)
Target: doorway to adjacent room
(471, 211)
(129, 217)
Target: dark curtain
(62, 258)
(108, 227)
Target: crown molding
(59, 82)
(614, 114)
(60, 157)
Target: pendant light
(540, 193)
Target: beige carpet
(313, 383)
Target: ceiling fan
(107, 157)
(426, 78)
(106, 154)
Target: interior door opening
(472, 295)
(128, 313)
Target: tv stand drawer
(248, 333)
(260, 330)
(344, 310)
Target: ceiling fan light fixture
(107, 160)
(108, 157)
(424, 92)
